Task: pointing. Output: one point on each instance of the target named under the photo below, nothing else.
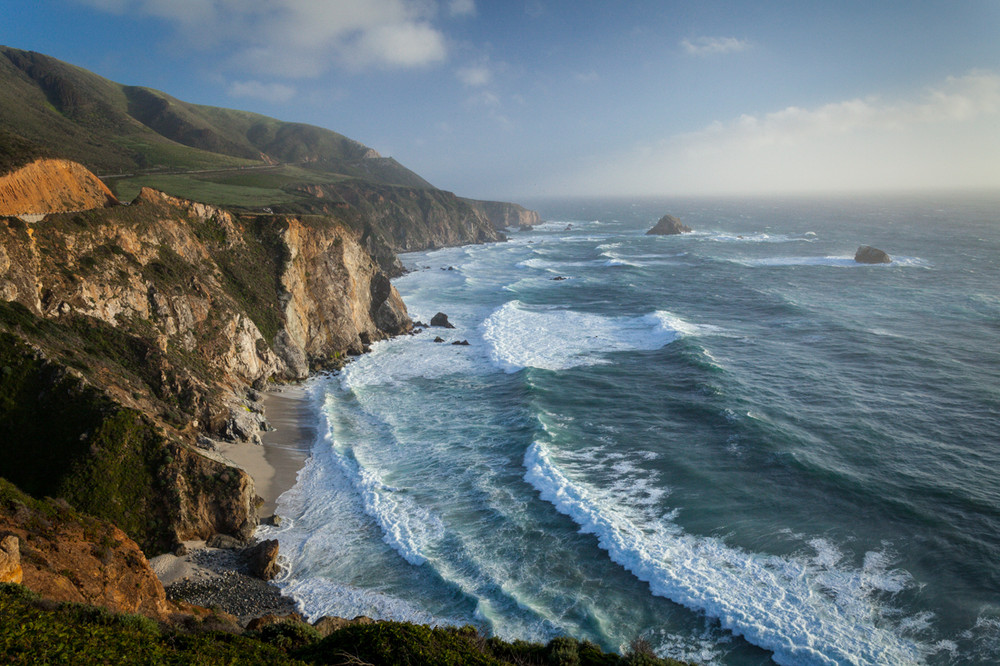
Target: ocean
(737, 444)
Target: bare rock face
(668, 226)
(503, 215)
(867, 254)
(10, 560)
(66, 556)
(201, 303)
(262, 559)
(52, 186)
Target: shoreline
(274, 466)
(218, 576)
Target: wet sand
(275, 465)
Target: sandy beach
(274, 465)
(218, 576)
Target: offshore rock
(441, 320)
(867, 254)
(669, 226)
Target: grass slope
(113, 129)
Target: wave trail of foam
(806, 611)
(841, 262)
(551, 339)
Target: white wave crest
(758, 237)
(804, 610)
(551, 339)
(837, 261)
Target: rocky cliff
(394, 219)
(66, 556)
(503, 215)
(52, 186)
(144, 327)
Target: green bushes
(34, 631)
(104, 459)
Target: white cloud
(475, 76)
(269, 92)
(706, 46)
(304, 38)
(946, 136)
(462, 7)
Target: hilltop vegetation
(114, 129)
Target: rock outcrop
(67, 556)
(503, 215)
(10, 560)
(668, 226)
(262, 559)
(52, 186)
(441, 320)
(171, 310)
(867, 254)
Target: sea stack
(867, 254)
(667, 226)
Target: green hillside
(51, 107)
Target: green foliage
(289, 635)
(16, 152)
(32, 632)
(104, 459)
(251, 271)
(401, 643)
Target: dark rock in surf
(441, 319)
(867, 254)
(461, 342)
(439, 339)
(262, 559)
(668, 226)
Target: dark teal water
(736, 443)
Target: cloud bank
(946, 136)
(305, 38)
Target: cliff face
(503, 215)
(65, 556)
(52, 186)
(402, 219)
(162, 315)
(335, 298)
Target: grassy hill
(47, 105)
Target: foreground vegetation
(34, 631)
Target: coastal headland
(153, 326)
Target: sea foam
(556, 339)
(805, 610)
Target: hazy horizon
(536, 99)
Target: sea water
(737, 444)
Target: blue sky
(530, 98)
